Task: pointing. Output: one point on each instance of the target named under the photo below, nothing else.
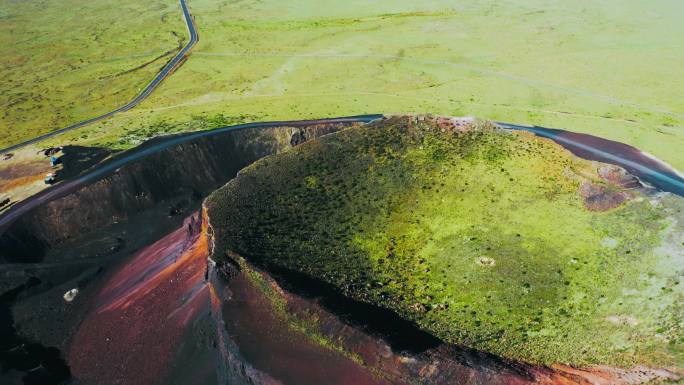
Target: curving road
(72, 185)
(647, 168)
(644, 166)
(165, 71)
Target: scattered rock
(51, 151)
(618, 176)
(298, 137)
(622, 320)
(427, 371)
(486, 261)
(601, 198)
(70, 295)
(175, 210)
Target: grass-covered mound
(482, 237)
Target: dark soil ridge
(398, 349)
(187, 171)
(44, 244)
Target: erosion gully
(152, 308)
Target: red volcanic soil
(285, 354)
(289, 357)
(139, 317)
(600, 198)
(611, 195)
(636, 162)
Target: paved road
(69, 186)
(642, 165)
(168, 68)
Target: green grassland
(610, 68)
(479, 237)
(66, 61)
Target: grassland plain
(481, 238)
(610, 68)
(66, 61)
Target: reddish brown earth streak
(291, 357)
(139, 317)
(287, 355)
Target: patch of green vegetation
(163, 127)
(67, 61)
(480, 237)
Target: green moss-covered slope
(480, 236)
